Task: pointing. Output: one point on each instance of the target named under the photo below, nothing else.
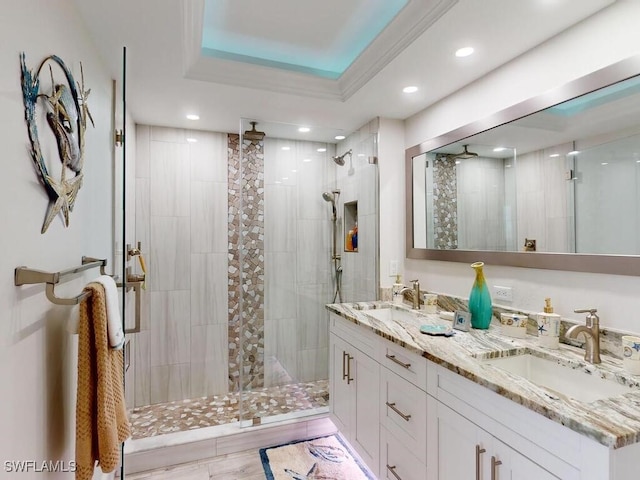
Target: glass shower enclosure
(285, 270)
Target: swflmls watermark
(39, 466)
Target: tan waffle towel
(101, 415)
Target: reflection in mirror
(562, 180)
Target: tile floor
(234, 466)
(215, 410)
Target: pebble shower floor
(183, 415)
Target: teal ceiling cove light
(316, 38)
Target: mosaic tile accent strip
(445, 203)
(252, 264)
(233, 160)
(215, 410)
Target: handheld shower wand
(331, 198)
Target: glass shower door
(284, 273)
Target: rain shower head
(253, 134)
(464, 155)
(340, 159)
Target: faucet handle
(592, 318)
(416, 281)
(592, 311)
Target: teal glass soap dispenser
(480, 300)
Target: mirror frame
(576, 262)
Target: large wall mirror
(551, 183)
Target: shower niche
(350, 227)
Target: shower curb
(175, 449)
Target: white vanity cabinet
(464, 450)
(412, 419)
(529, 445)
(355, 387)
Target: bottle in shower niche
(348, 242)
(480, 300)
(354, 238)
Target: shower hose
(338, 292)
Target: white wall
(37, 355)
(601, 40)
(392, 197)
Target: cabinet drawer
(403, 412)
(360, 337)
(396, 458)
(408, 365)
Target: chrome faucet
(591, 331)
(415, 293)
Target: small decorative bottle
(480, 300)
(354, 238)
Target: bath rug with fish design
(326, 458)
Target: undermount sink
(391, 314)
(582, 384)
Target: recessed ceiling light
(193, 116)
(285, 178)
(192, 140)
(410, 89)
(286, 148)
(361, 154)
(554, 155)
(499, 149)
(464, 51)
(322, 150)
(573, 152)
(339, 137)
(306, 160)
(604, 163)
(294, 171)
(304, 129)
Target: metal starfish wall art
(67, 113)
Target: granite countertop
(613, 422)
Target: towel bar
(30, 276)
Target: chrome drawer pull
(395, 360)
(392, 406)
(494, 467)
(344, 365)
(479, 451)
(392, 469)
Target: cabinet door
(513, 466)
(462, 450)
(339, 399)
(366, 430)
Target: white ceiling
(166, 76)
